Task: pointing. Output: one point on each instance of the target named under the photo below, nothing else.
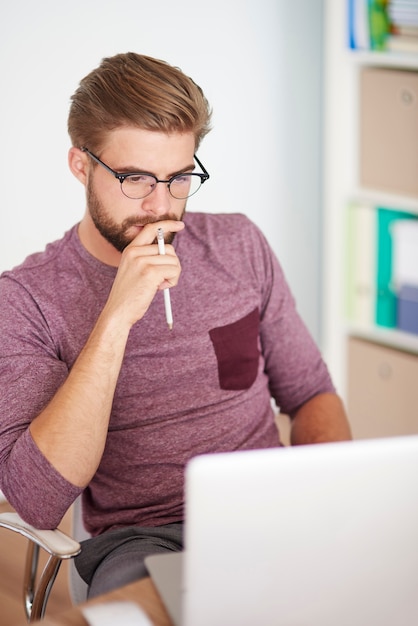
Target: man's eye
(136, 179)
(182, 179)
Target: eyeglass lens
(138, 186)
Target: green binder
(386, 300)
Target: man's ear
(79, 164)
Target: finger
(148, 233)
(144, 250)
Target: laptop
(314, 535)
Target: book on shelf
(402, 43)
(403, 19)
(407, 311)
(405, 273)
(404, 30)
(358, 25)
(403, 11)
(379, 277)
(360, 264)
(368, 24)
(386, 296)
(405, 252)
(383, 25)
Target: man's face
(117, 218)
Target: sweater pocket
(237, 352)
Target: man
(97, 395)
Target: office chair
(59, 546)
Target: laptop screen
(314, 535)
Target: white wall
(259, 63)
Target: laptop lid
(314, 535)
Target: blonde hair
(135, 90)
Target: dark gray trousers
(116, 558)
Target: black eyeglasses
(137, 185)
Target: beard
(118, 234)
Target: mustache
(143, 221)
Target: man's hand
(142, 272)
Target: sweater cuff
(38, 492)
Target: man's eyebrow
(188, 168)
(135, 170)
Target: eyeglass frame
(122, 177)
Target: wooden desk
(142, 593)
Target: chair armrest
(55, 542)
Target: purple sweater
(206, 386)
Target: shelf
(401, 60)
(388, 337)
(377, 197)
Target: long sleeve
(30, 373)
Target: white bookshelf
(342, 68)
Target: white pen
(167, 300)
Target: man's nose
(159, 200)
